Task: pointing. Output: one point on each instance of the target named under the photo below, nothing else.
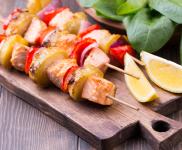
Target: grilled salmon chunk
(96, 90)
(57, 71)
(34, 30)
(98, 59)
(19, 56)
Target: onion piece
(120, 42)
(86, 51)
(51, 6)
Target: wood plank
(23, 127)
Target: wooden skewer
(138, 61)
(121, 70)
(123, 102)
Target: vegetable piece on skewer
(74, 24)
(29, 58)
(80, 48)
(97, 89)
(88, 30)
(67, 77)
(50, 14)
(118, 53)
(2, 37)
(79, 78)
(18, 58)
(42, 59)
(6, 49)
(35, 6)
(34, 30)
(53, 5)
(17, 22)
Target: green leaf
(131, 6)
(170, 8)
(107, 9)
(181, 49)
(148, 30)
(86, 3)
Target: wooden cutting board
(103, 127)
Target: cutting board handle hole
(160, 126)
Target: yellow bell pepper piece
(108, 41)
(73, 25)
(35, 6)
(6, 49)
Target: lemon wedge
(140, 88)
(166, 74)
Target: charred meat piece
(18, 58)
(97, 89)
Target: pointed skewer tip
(123, 102)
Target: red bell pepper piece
(11, 17)
(29, 58)
(118, 53)
(43, 34)
(67, 77)
(48, 16)
(2, 37)
(89, 29)
(79, 47)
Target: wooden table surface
(22, 127)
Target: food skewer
(110, 95)
(44, 26)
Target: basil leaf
(170, 8)
(148, 30)
(131, 6)
(107, 9)
(181, 49)
(86, 3)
